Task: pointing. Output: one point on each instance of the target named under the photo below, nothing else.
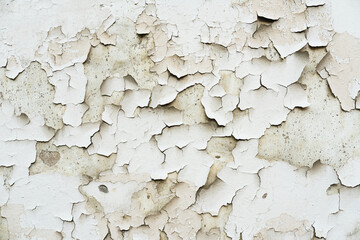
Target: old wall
(193, 119)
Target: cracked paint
(154, 119)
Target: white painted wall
(179, 119)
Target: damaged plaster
(157, 119)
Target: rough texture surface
(158, 119)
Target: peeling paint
(154, 119)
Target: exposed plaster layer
(157, 119)
(322, 131)
(72, 161)
(38, 95)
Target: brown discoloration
(73, 161)
(50, 158)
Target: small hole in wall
(264, 196)
(103, 188)
(217, 156)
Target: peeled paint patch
(320, 132)
(31, 93)
(73, 161)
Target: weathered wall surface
(157, 119)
